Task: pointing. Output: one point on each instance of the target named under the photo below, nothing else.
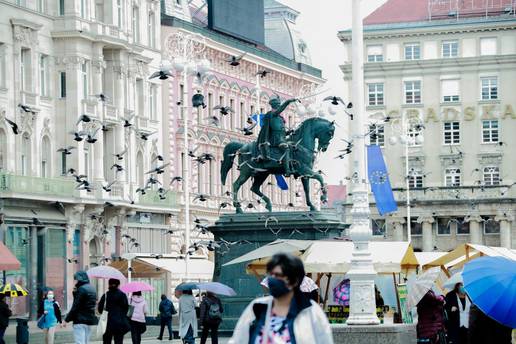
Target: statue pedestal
(251, 227)
(372, 334)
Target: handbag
(41, 321)
(102, 325)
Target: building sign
(405, 312)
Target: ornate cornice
(425, 218)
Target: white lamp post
(362, 310)
(183, 49)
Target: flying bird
(119, 168)
(120, 156)
(143, 135)
(13, 125)
(101, 97)
(163, 74)
(78, 135)
(26, 108)
(66, 150)
(235, 60)
(335, 100)
(176, 179)
(158, 169)
(107, 187)
(224, 110)
(83, 118)
(201, 197)
(263, 73)
(127, 121)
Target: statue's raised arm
(283, 106)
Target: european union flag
(282, 183)
(259, 120)
(379, 180)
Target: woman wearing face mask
(50, 310)
(287, 316)
(457, 307)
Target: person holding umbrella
(5, 313)
(187, 317)
(211, 317)
(51, 312)
(138, 326)
(82, 313)
(114, 301)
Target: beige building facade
(444, 86)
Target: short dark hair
(291, 266)
(187, 291)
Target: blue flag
(259, 120)
(282, 183)
(379, 180)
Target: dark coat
(57, 310)
(5, 313)
(430, 312)
(117, 307)
(166, 309)
(453, 322)
(206, 303)
(483, 329)
(84, 301)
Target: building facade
(246, 93)
(439, 78)
(56, 58)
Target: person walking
(211, 317)
(457, 308)
(286, 316)
(82, 312)
(50, 310)
(138, 326)
(166, 310)
(114, 301)
(5, 313)
(187, 317)
(430, 312)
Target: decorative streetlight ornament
(311, 109)
(179, 64)
(331, 110)
(203, 66)
(393, 140)
(420, 139)
(321, 113)
(300, 109)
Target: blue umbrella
(491, 284)
(187, 286)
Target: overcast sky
(319, 23)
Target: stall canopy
(277, 246)
(426, 257)
(463, 253)
(7, 260)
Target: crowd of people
(454, 319)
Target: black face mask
(277, 287)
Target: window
(86, 161)
(489, 88)
(378, 226)
(139, 97)
(445, 225)
(61, 7)
(45, 157)
(62, 84)
(488, 46)
(377, 135)
(490, 133)
(375, 93)
(25, 70)
(451, 133)
(3, 150)
(63, 164)
(412, 92)
(151, 30)
(3, 83)
(462, 227)
(152, 102)
(450, 49)
(84, 8)
(140, 173)
(412, 51)
(415, 179)
(452, 176)
(136, 24)
(374, 53)
(25, 155)
(414, 131)
(43, 75)
(119, 11)
(84, 80)
(491, 175)
(416, 228)
(490, 225)
(231, 114)
(41, 5)
(450, 90)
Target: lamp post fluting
(362, 310)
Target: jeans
(2, 332)
(168, 323)
(81, 333)
(214, 328)
(109, 335)
(189, 337)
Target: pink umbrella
(106, 272)
(131, 287)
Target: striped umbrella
(13, 290)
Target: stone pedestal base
(381, 334)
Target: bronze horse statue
(312, 136)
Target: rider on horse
(273, 135)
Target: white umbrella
(453, 280)
(422, 284)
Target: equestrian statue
(279, 151)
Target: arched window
(140, 173)
(45, 157)
(3, 150)
(25, 154)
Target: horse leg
(257, 183)
(242, 178)
(306, 187)
(324, 190)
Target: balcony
(151, 198)
(457, 194)
(51, 187)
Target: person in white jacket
(287, 316)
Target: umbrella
(8, 261)
(131, 287)
(491, 284)
(217, 288)
(452, 281)
(422, 284)
(341, 292)
(106, 272)
(13, 290)
(187, 286)
(307, 285)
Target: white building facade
(449, 75)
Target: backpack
(214, 313)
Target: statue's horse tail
(229, 156)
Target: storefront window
(17, 240)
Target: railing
(462, 193)
(143, 122)
(152, 198)
(110, 111)
(36, 185)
